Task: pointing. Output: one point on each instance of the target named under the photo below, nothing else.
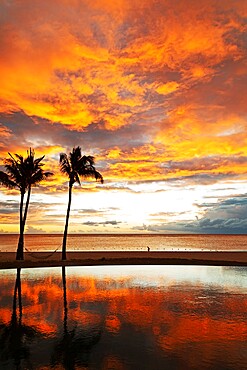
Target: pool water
(124, 317)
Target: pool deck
(44, 259)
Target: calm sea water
(46, 242)
(124, 318)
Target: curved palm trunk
(19, 253)
(20, 250)
(26, 207)
(66, 225)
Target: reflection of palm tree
(14, 336)
(75, 346)
(65, 306)
(75, 166)
(23, 173)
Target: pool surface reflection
(124, 317)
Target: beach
(79, 258)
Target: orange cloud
(167, 88)
(73, 74)
(155, 90)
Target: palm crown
(23, 172)
(75, 165)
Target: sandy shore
(43, 259)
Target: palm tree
(75, 166)
(23, 173)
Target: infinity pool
(124, 317)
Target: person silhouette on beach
(148, 249)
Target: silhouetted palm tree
(75, 166)
(23, 173)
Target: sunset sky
(154, 89)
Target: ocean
(127, 242)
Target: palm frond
(37, 177)
(77, 178)
(64, 164)
(12, 169)
(98, 177)
(23, 172)
(48, 174)
(6, 181)
(16, 172)
(75, 166)
(38, 160)
(88, 172)
(74, 157)
(86, 160)
(18, 156)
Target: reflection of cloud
(124, 301)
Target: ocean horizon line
(126, 234)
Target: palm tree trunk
(26, 207)
(19, 253)
(22, 226)
(66, 225)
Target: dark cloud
(205, 226)
(237, 200)
(204, 163)
(89, 211)
(34, 230)
(9, 207)
(234, 208)
(92, 211)
(225, 217)
(202, 179)
(104, 223)
(29, 131)
(189, 180)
